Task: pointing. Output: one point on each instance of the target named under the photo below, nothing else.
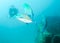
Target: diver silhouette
(13, 11)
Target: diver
(13, 11)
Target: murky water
(15, 31)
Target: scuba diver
(13, 11)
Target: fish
(24, 18)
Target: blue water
(14, 31)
